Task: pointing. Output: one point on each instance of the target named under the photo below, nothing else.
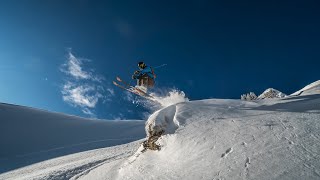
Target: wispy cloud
(88, 112)
(83, 88)
(120, 116)
(75, 69)
(81, 95)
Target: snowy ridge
(271, 93)
(313, 88)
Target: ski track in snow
(73, 146)
(73, 166)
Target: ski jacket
(147, 70)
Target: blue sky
(214, 49)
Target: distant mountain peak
(271, 93)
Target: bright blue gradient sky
(214, 49)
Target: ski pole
(160, 66)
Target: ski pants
(145, 81)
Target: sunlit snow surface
(208, 139)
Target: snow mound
(229, 139)
(162, 120)
(313, 88)
(271, 93)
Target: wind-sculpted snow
(162, 120)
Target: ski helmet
(141, 65)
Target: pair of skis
(126, 86)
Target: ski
(125, 88)
(123, 82)
(132, 89)
(127, 85)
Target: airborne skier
(145, 77)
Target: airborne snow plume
(173, 97)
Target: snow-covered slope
(313, 88)
(271, 93)
(29, 135)
(230, 139)
(207, 139)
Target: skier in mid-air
(145, 77)
(145, 80)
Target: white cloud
(83, 88)
(120, 116)
(88, 112)
(74, 68)
(81, 95)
